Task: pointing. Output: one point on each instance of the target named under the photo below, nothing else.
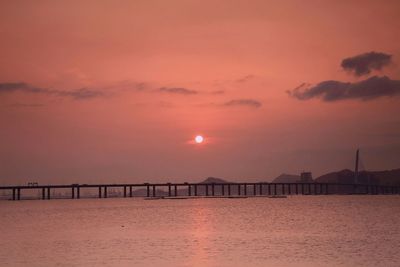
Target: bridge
(191, 190)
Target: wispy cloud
(363, 64)
(245, 78)
(11, 87)
(217, 92)
(243, 102)
(329, 91)
(77, 94)
(178, 90)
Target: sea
(333, 230)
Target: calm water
(297, 231)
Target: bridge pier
(239, 189)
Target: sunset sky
(116, 91)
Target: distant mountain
(343, 177)
(213, 180)
(286, 178)
(389, 177)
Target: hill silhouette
(213, 180)
(387, 177)
(286, 178)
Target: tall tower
(356, 167)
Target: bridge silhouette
(203, 189)
(193, 190)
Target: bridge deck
(204, 189)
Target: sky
(116, 91)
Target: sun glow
(199, 139)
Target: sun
(199, 139)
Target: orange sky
(163, 71)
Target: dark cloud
(82, 93)
(11, 87)
(243, 102)
(363, 64)
(77, 94)
(368, 89)
(178, 90)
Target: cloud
(11, 87)
(77, 94)
(178, 90)
(245, 78)
(217, 92)
(243, 102)
(368, 89)
(82, 93)
(363, 64)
